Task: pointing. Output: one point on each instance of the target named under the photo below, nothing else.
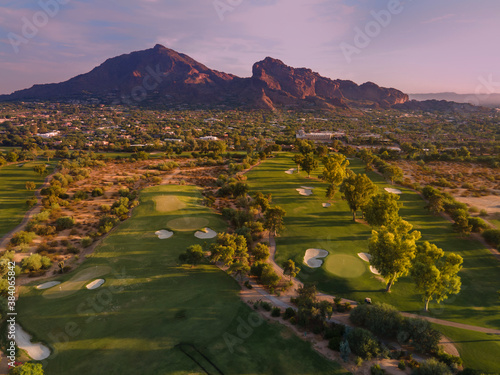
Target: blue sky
(415, 45)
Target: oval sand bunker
(312, 257)
(365, 256)
(326, 205)
(48, 285)
(290, 171)
(36, 351)
(305, 192)
(207, 233)
(95, 284)
(393, 191)
(164, 234)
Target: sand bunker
(48, 285)
(326, 205)
(393, 191)
(290, 171)
(35, 351)
(95, 284)
(374, 270)
(205, 234)
(307, 187)
(365, 256)
(77, 282)
(312, 257)
(305, 192)
(164, 234)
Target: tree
(357, 191)
(65, 222)
(334, 172)
(49, 154)
(22, 237)
(298, 159)
(40, 169)
(193, 255)
(27, 369)
(434, 274)
(239, 268)
(261, 252)
(321, 151)
(392, 173)
(392, 249)
(229, 248)
(461, 224)
(432, 367)
(35, 262)
(269, 277)
(382, 209)
(290, 268)
(309, 164)
(273, 219)
(30, 185)
(261, 201)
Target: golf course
(13, 193)
(311, 224)
(154, 315)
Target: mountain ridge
(161, 76)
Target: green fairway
(309, 225)
(13, 193)
(150, 304)
(480, 351)
(187, 223)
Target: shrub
(449, 359)
(22, 238)
(248, 285)
(359, 361)
(97, 192)
(363, 343)
(266, 306)
(478, 224)
(376, 370)
(492, 236)
(80, 195)
(65, 222)
(276, 312)
(432, 367)
(402, 365)
(35, 262)
(334, 343)
(483, 213)
(289, 313)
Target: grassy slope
(311, 226)
(13, 193)
(134, 330)
(478, 350)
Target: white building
(209, 138)
(320, 136)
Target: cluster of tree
(389, 171)
(385, 321)
(443, 202)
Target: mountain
(486, 100)
(161, 76)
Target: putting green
(344, 265)
(188, 223)
(76, 283)
(168, 203)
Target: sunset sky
(424, 46)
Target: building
(320, 136)
(209, 138)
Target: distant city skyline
(417, 46)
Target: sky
(417, 46)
